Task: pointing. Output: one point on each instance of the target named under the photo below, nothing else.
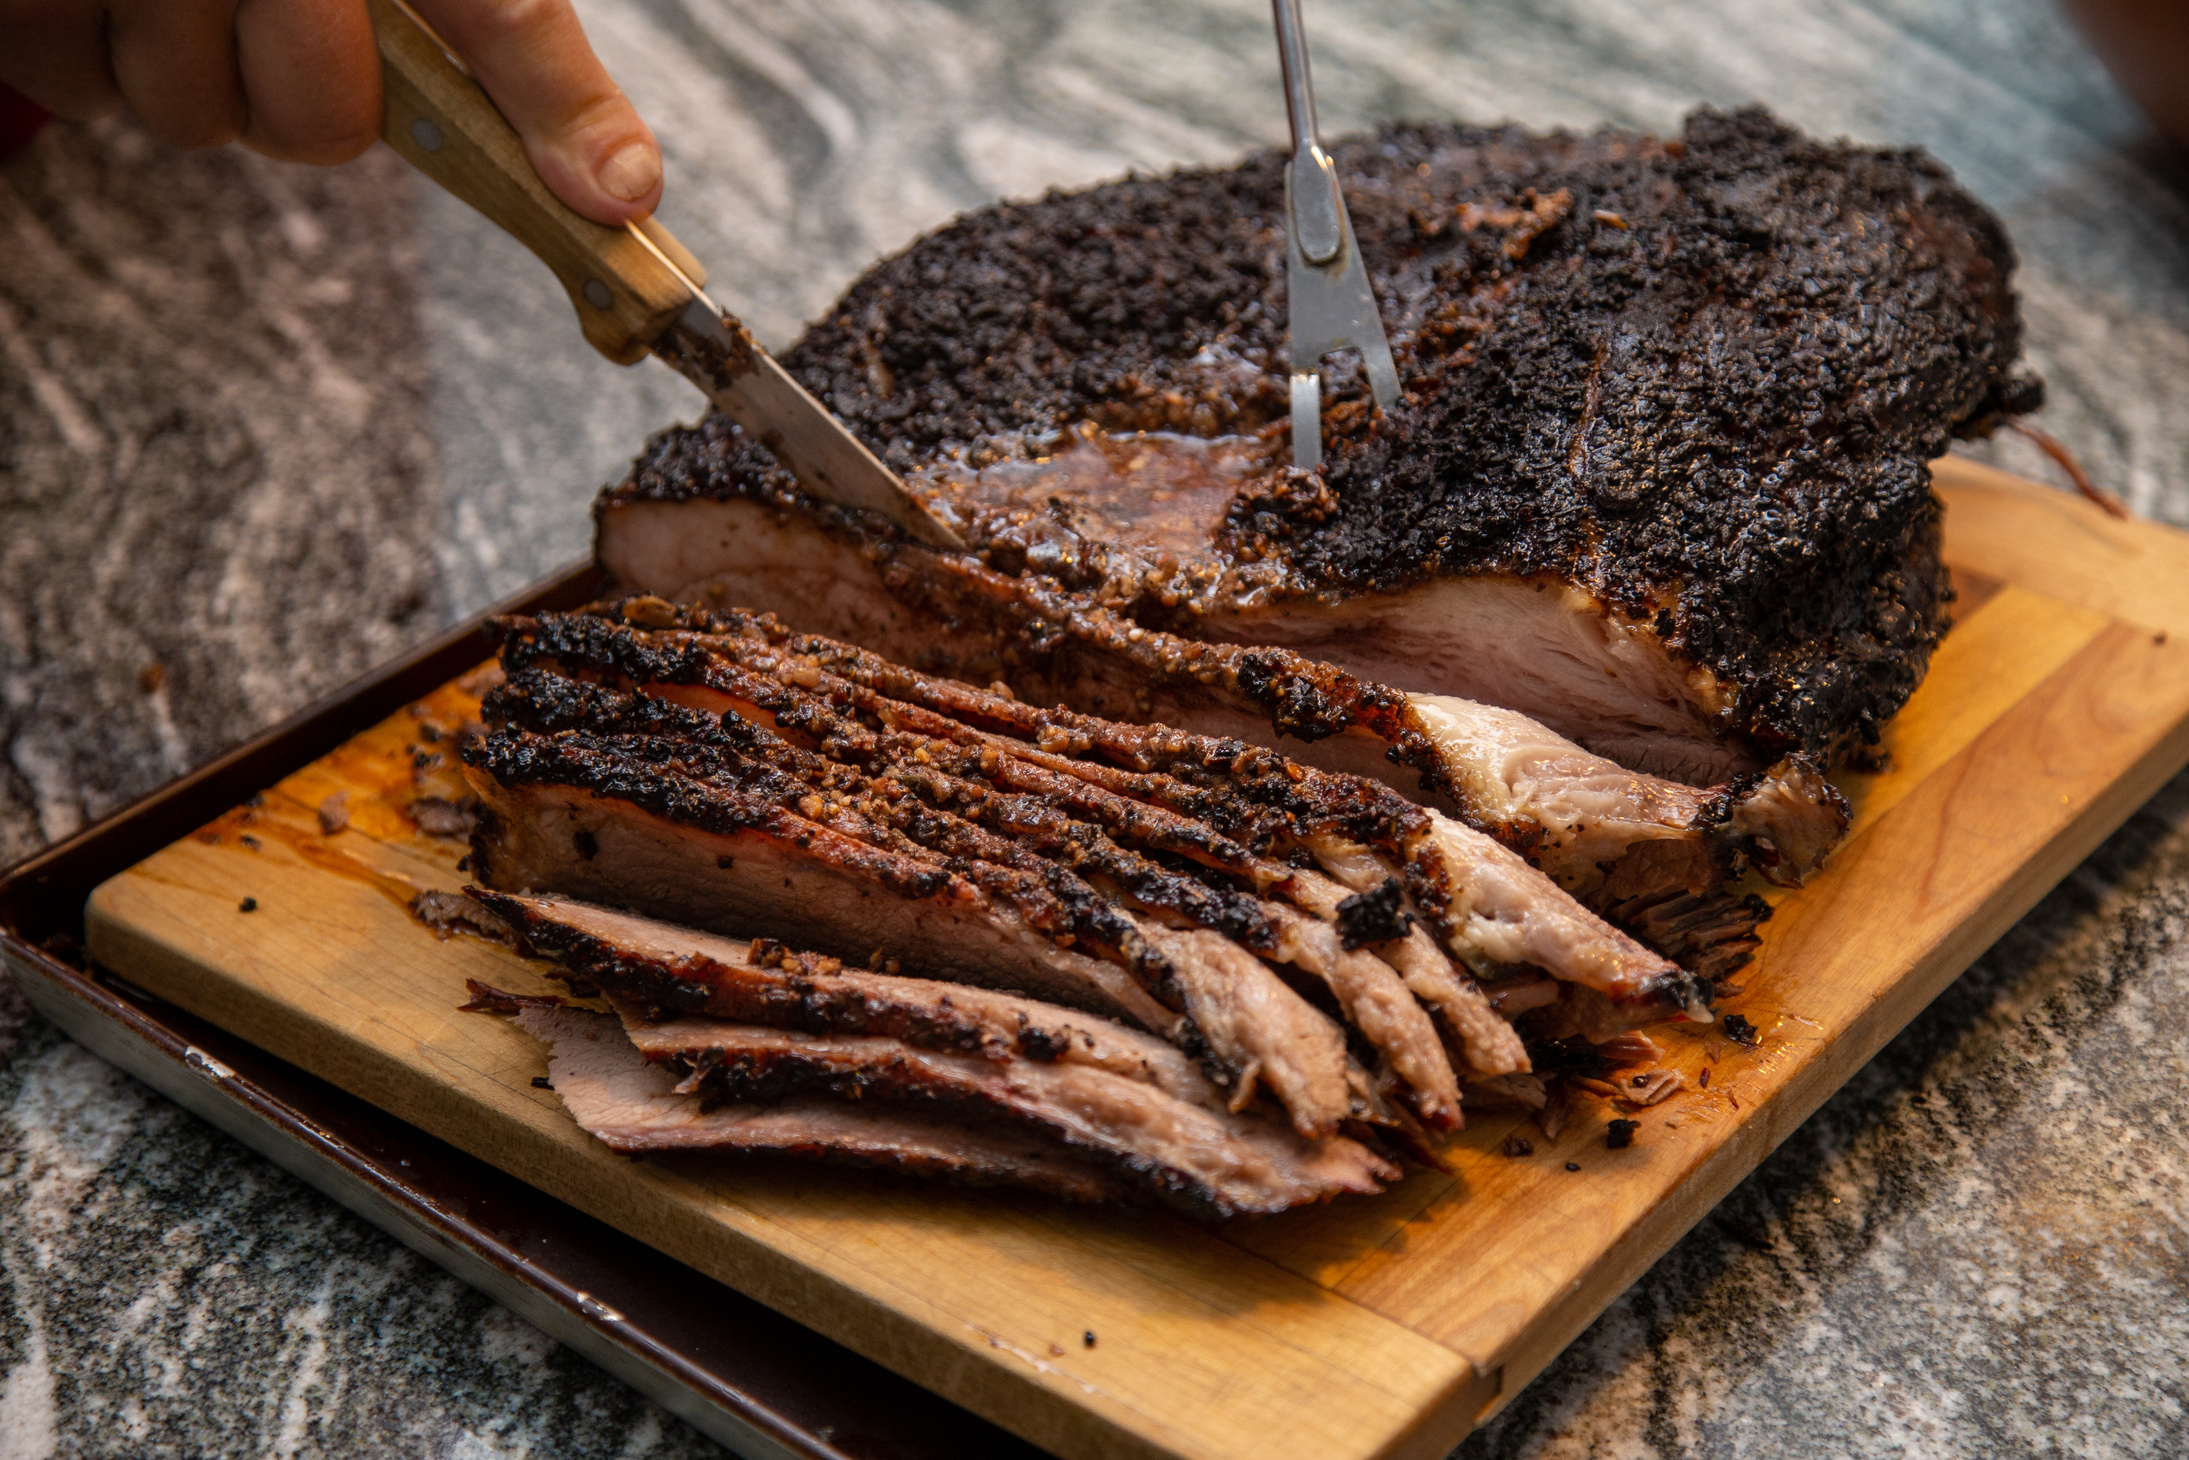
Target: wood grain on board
(1367, 1327)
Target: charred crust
(1769, 517)
(770, 1076)
(1377, 916)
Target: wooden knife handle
(440, 119)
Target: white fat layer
(1505, 913)
(1592, 810)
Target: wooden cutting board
(1362, 1328)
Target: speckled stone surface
(260, 427)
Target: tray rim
(308, 1127)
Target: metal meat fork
(1332, 306)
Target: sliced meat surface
(1016, 813)
(1215, 801)
(797, 1024)
(1213, 1163)
(557, 817)
(633, 1106)
(1297, 931)
(1583, 817)
(666, 970)
(624, 820)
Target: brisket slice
(655, 806)
(1002, 806)
(1214, 806)
(1206, 1161)
(669, 972)
(633, 1106)
(714, 771)
(590, 819)
(1658, 479)
(766, 1024)
(1603, 832)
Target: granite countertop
(263, 426)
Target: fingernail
(631, 172)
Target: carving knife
(1331, 303)
(637, 290)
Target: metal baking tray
(762, 1384)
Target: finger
(580, 131)
(311, 78)
(175, 61)
(56, 55)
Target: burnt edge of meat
(1715, 414)
(1243, 797)
(548, 704)
(1377, 916)
(665, 988)
(685, 767)
(757, 1077)
(1274, 794)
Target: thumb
(580, 130)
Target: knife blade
(637, 291)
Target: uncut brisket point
(1695, 379)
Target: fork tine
(1307, 419)
(1331, 305)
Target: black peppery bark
(1699, 377)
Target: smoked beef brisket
(1658, 480)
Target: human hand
(2146, 43)
(300, 80)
